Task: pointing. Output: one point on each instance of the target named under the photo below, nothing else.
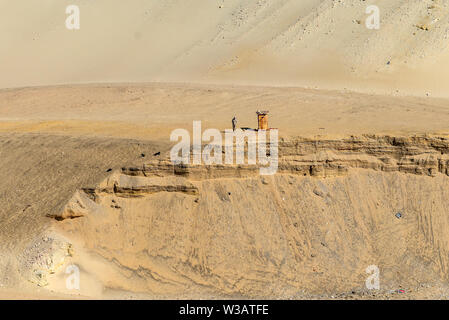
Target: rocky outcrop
(334, 208)
(421, 155)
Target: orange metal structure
(262, 120)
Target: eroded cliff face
(421, 155)
(310, 230)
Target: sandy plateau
(363, 176)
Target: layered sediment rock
(311, 229)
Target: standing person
(234, 123)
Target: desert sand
(315, 43)
(85, 124)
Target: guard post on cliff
(262, 120)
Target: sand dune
(320, 43)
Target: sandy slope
(320, 43)
(82, 182)
(39, 173)
(288, 236)
(308, 232)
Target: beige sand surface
(152, 111)
(315, 43)
(348, 163)
(85, 122)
